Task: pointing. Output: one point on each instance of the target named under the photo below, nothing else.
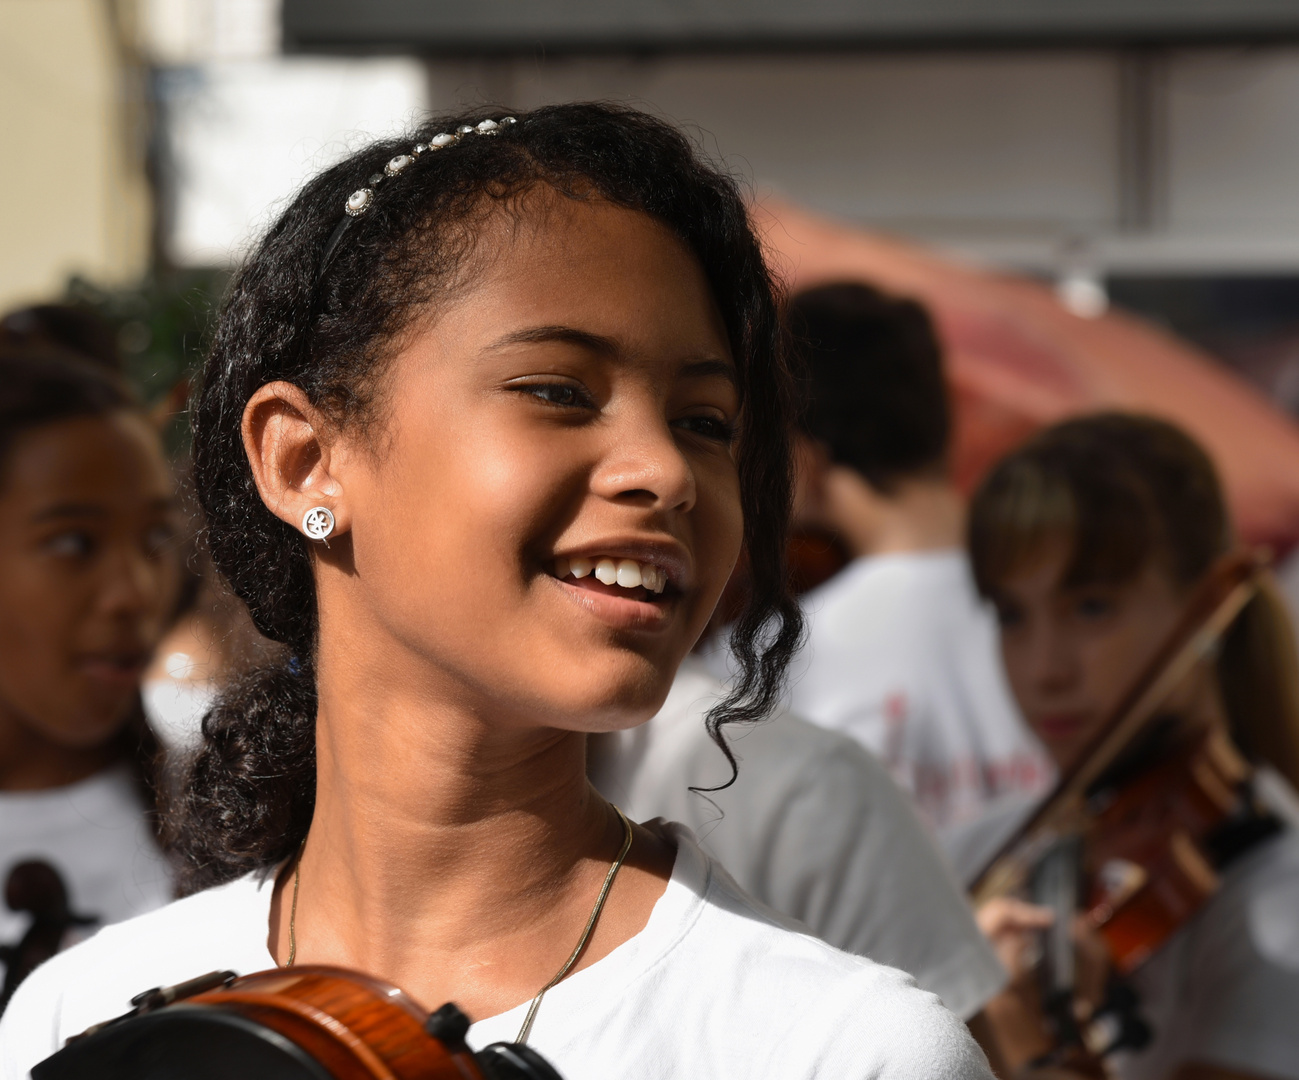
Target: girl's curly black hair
(249, 797)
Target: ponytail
(251, 788)
(1258, 672)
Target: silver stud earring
(318, 522)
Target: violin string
(582, 941)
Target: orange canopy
(1018, 359)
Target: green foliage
(163, 327)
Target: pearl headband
(363, 198)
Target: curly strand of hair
(252, 781)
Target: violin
(37, 889)
(813, 556)
(300, 1023)
(1135, 833)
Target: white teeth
(626, 573)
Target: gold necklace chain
(526, 1029)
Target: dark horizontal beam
(528, 27)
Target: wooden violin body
(302, 1023)
(813, 557)
(1150, 864)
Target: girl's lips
(618, 607)
(124, 672)
(1061, 727)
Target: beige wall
(70, 151)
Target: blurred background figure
(901, 652)
(211, 639)
(1090, 539)
(63, 328)
(813, 827)
(89, 579)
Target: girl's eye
(71, 544)
(1008, 615)
(565, 395)
(158, 539)
(710, 427)
(1093, 607)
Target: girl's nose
(644, 465)
(133, 583)
(1054, 665)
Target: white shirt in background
(175, 709)
(903, 656)
(813, 827)
(1224, 989)
(95, 834)
(714, 986)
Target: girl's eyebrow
(70, 510)
(703, 369)
(538, 335)
(64, 510)
(534, 335)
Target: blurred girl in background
(88, 582)
(1089, 540)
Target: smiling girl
(482, 456)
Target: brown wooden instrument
(37, 889)
(301, 1023)
(813, 556)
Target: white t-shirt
(1224, 990)
(903, 656)
(714, 986)
(94, 833)
(813, 827)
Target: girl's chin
(90, 730)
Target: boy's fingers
(1005, 914)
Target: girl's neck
(924, 513)
(403, 789)
(454, 856)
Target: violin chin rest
(514, 1061)
(182, 1043)
(190, 1043)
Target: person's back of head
(875, 397)
(70, 329)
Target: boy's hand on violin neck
(1012, 926)
(1016, 1017)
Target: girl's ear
(291, 449)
